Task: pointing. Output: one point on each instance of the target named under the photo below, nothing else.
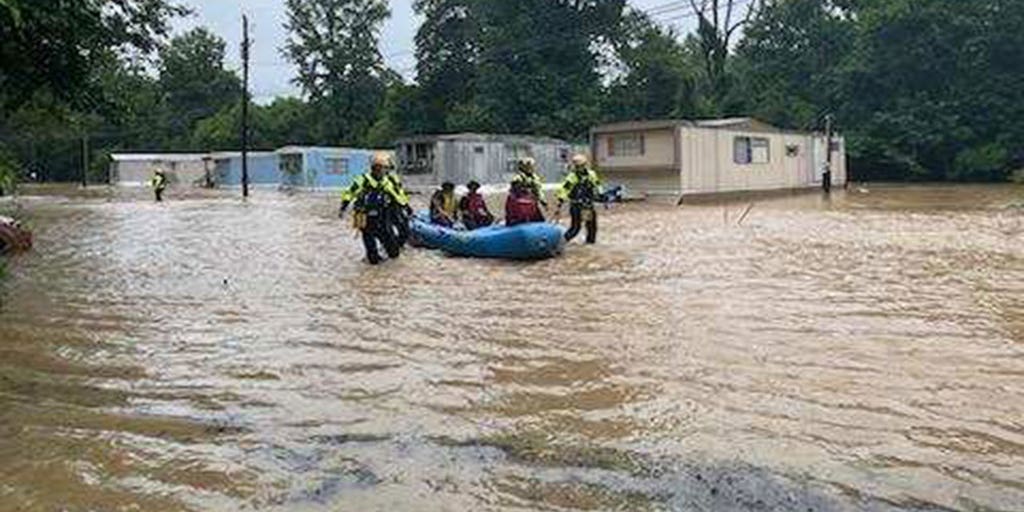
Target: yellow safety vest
(574, 179)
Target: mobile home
(133, 169)
(263, 168)
(322, 167)
(681, 157)
(487, 158)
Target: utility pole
(85, 161)
(245, 106)
(826, 179)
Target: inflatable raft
(534, 241)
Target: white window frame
(627, 145)
(331, 164)
(748, 150)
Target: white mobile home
(137, 168)
(489, 159)
(680, 157)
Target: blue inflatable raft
(534, 241)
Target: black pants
(159, 194)
(379, 230)
(473, 223)
(400, 225)
(577, 212)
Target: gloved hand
(408, 210)
(341, 213)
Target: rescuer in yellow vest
(527, 178)
(374, 197)
(159, 184)
(581, 188)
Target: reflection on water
(204, 354)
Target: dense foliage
(922, 89)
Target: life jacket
(446, 203)
(580, 190)
(401, 196)
(475, 205)
(374, 197)
(521, 208)
(159, 181)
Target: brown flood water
(863, 353)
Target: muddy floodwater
(859, 353)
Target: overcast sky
(271, 75)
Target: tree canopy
(922, 89)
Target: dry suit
(400, 211)
(374, 199)
(159, 184)
(581, 189)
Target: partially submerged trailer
(683, 157)
(430, 160)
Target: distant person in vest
(522, 206)
(159, 184)
(444, 206)
(473, 208)
(581, 188)
(527, 176)
(374, 196)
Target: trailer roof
(729, 123)
(481, 137)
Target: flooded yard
(859, 353)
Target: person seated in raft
(444, 206)
(473, 208)
(522, 206)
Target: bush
(1017, 176)
(985, 163)
(8, 171)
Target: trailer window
(751, 150)
(336, 165)
(626, 144)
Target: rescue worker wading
(581, 189)
(374, 197)
(159, 184)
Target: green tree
(194, 82)
(284, 122)
(718, 22)
(447, 54)
(934, 88)
(538, 64)
(656, 73)
(52, 45)
(404, 113)
(9, 171)
(788, 67)
(334, 45)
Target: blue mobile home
(322, 167)
(263, 168)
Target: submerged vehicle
(533, 241)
